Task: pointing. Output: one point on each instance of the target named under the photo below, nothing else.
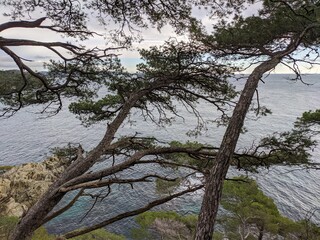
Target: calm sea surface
(28, 138)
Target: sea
(30, 137)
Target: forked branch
(131, 213)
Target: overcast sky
(39, 55)
(129, 58)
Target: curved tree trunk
(36, 215)
(214, 182)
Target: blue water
(26, 137)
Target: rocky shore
(21, 186)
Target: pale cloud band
(129, 58)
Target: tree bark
(36, 215)
(22, 24)
(214, 181)
(261, 233)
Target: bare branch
(131, 213)
(108, 182)
(22, 24)
(131, 161)
(65, 208)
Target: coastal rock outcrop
(21, 186)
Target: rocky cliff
(21, 186)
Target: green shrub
(147, 219)
(42, 234)
(7, 224)
(5, 168)
(99, 234)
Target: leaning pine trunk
(36, 215)
(214, 182)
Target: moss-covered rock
(3, 169)
(21, 186)
(167, 225)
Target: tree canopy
(288, 27)
(78, 68)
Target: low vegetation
(248, 215)
(5, 168)
(7, 224)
